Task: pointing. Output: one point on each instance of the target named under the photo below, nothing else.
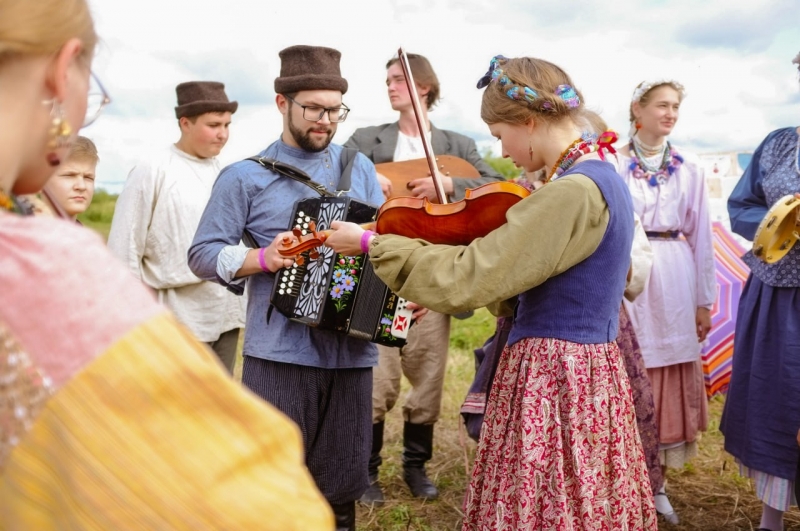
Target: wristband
(262, 262)
(365, 241)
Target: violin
(482, 210)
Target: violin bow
(426, 145)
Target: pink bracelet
(365, 241)
(262, 262)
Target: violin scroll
(304, 242)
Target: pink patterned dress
(552, 454)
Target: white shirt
(409, 147)
(155, 220)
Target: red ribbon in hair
(604, 142)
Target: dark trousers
(333, 408)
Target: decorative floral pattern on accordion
(344, 279)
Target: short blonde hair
(41, 27)
(539, 75)
(83, 149)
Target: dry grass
(708, 494)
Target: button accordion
(330, 291)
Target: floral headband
(519, 92)
(646, 86)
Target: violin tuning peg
(297, 231)
(286, 241)
(312, 225)
(313, 254)
(299, 260)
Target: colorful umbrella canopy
(731, 276)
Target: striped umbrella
(731, 275)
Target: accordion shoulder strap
(291, 172)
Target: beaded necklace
(655, 175)
(586, 144)
(574, 151)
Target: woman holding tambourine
(762, 410)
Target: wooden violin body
(481, 211)
(402, 173)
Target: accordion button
(281, 292)
(283, 285)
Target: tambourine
(778, 231)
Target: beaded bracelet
(365, 241)
(262, 262)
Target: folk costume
(321, 379)
(423, 360)
(559, 447)
(673, 206)
(762, 409)
(155, 219)
(113, 416)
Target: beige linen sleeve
(641, 261)
(545, 234)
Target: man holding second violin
(424, 357)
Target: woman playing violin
(559, 448)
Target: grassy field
(708, 493)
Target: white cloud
(733, 60)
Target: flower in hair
(568, 94)
(646, 86)
(493, 73)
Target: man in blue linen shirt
(320, 379)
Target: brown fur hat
(309, 68)
(199, 97)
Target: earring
(638, 125)
(530, 149)
(60, 131)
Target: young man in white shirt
(159, 209)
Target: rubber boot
(374, 494)
(417, 450)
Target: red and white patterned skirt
(559, 448)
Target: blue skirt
(762, 410)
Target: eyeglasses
(314, 113)
(96, 100)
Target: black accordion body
(336, 292)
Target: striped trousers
(333, 408)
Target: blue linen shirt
(248, 196)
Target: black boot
(374, 495)
(345, 515)
(417, 450)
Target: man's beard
(306, 141)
